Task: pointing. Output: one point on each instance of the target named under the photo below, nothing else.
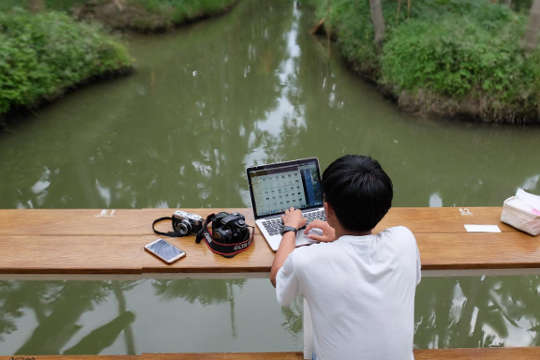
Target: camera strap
(225, 250)
(168, 233)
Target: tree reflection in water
(206, 292)
(473, 312)
(467, 312)
(57, 307)
(450, 312)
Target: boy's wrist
(288, 228)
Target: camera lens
(184, 227)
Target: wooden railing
(92, 242)
(111, 242)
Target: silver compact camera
(185, 223)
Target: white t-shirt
(360, 292)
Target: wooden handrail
(518, 353)
(94, 241)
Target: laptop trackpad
(302, 239)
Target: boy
(359, 286)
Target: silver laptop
(276, 187)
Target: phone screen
(164, 250)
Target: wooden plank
(518, 353)
(74, 357)
(71, 254)
(226, 356)
(120, 255)
(478, 251)
(90, 221)
(139, 221)
(257, 258)
(444, 219)
(79, 242)
(125, 254)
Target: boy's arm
(288, 243)
(295, 219)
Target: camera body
(229, 228)
(185, 223)
(230, 234)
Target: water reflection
(57, 307)
(467, 312)
(531, 183)
(435, 200)
(205, 102)
(119, 317)
(478, 312)
(205, 292)
(252, 86)
(88, 317)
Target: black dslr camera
(229, 228)
(230, 233)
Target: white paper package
(522, 211)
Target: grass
(178, 11)
(138, 15)
(175, 12)
(42, 55)
(451, 57)
(59, 5)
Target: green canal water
(207, 100)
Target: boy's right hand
(328, 232)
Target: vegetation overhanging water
(207, 101)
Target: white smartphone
(165, 251)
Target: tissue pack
(522, 211)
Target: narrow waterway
(206, 101)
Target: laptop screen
(276, 187)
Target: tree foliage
(464, 54)
(42, 55)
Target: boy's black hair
(359, 191)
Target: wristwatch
(287, 229)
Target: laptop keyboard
(275, 225)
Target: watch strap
(287, 229)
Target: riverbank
(44, 55)
(149, 15)
(445, 58)
(46, 52)
(131, 15)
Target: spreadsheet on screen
(281, 188)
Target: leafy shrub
(43, 54)
(451, 57)
(459, 57)
(449, 48)
(177, 11)
(350, 22)
(63, 5)
(9, 4)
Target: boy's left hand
(293, 217)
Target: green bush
(453, 57)
(178, 11)
(41, 55)
(63, 5)
(350, 22)
(449, 48)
